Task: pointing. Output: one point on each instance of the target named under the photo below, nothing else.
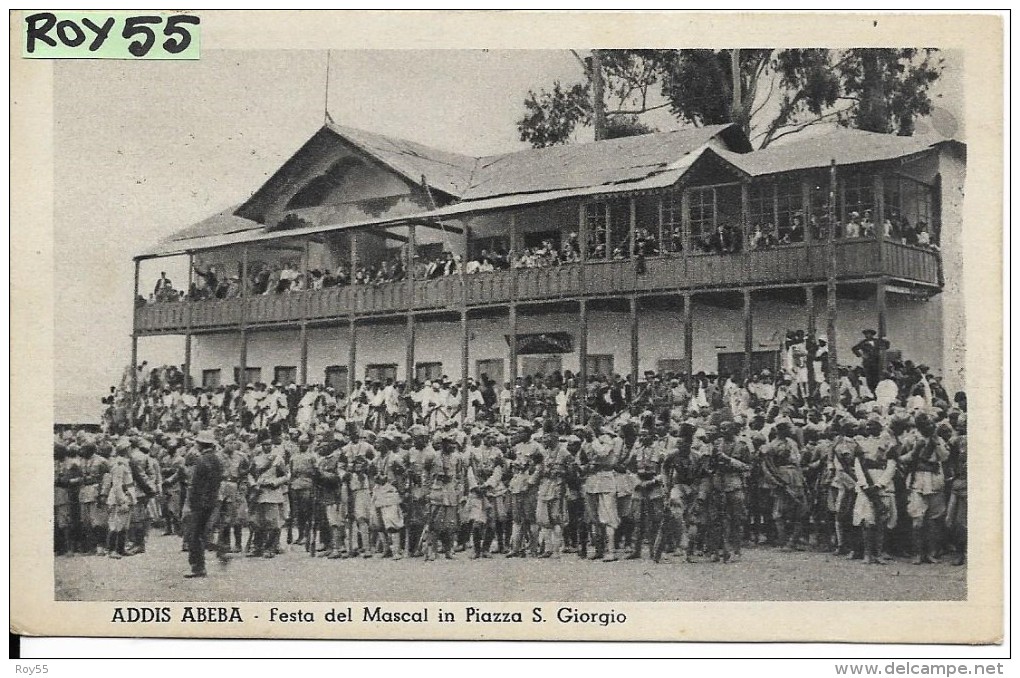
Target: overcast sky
(144, 148)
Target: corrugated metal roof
(542, 175)
(659, 180)
(846, 146)
(449, 172)
(581, 165)
(218, 224)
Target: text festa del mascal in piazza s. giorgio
(366, 614)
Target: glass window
(619, 229)
(667, 365)
(381, 372)
(428, 371)
(210, 378)
(672, 239)
(702, 215)
(818, 206)
(253, 375)
(285, 375)
(336, 377)
(598, 220)
(858, 206)
(789, 210)
(600, 365)
(647, 239)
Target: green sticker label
(111, 35)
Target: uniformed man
(782, 466)
(926, 504)
(302, 479)
(646, 460)
(414, 462)
(94, 468)
(875, 505)
(269, 473)
(120, 500)
(956, 513)
(63, 476)
(551, 509)
(146, 484)
(333, 491)
(606, 450)
(730, 460)
(445, 471)
(235, 465)
(204, 502)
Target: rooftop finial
(325, 103)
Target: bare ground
(762, 574)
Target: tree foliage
(767, 93)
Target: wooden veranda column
(634, 344)
(811, 341)
(464, 368)
(832, 365)
(748, 333)
(881, 312)
(242, 377)
(409, 347)
(134, 345)
(582, 356)
(632, 226)
(188, 324)
(513, 345)
(688, 336)
(303, 369)
(745, 213)
(352, 354)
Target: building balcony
(782, 266)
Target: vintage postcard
(520, 325)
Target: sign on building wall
(546, 342)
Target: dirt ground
(761, 574)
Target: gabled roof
(446, 171)
(601, 163)
(531, 176)
(846, 146)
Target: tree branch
(644, 109)
(796, 127)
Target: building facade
(684, 251)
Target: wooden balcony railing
(784, 265)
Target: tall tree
(768, 93)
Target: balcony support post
(134, 341)
(188, 323)
(634, 346)
(513, 346)
(352, 354)
(879, 218)
(632, 227)
(685, 219)
(582, 356)
(409, 264)
(242, 377)
(745, 213)
(303, 369)
(748, 333)
(881, 311)
(354, 254)
(688, 336)
(811, 341)
(409, 347)
(832, 364)
(805, 200)
(463, 362)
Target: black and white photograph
(596, 325)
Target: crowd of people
(674, 467)
(725, 238)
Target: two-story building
(687, 251)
